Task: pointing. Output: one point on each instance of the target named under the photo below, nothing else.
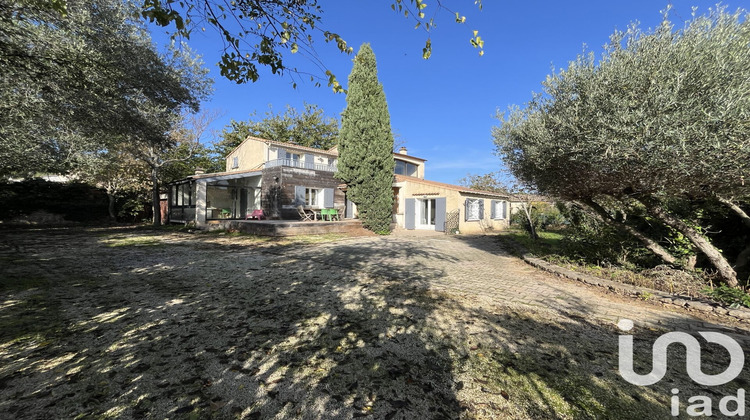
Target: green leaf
(427, 50)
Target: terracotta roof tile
(408, 156)
(214, 174)
(288, 145)
(404, 178)
(333, 151)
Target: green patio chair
(330, 214)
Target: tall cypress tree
(366, 145)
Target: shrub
(730, 296)
(74, 201)
(543, 215)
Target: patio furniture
(304, 215)
(225, 213)
(255, 214)
(329, 214)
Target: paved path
(478, 266)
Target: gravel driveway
(132, 323)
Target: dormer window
(405, 168)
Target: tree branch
(736, 209)
(714, 255)
(604, 216)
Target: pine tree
(366, 145)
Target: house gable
(249, 154)
(256, 153)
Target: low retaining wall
(287, 228)
(742, 314)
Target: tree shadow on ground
(560, 297)
(528, 364)
(224, 332)
(327, 331)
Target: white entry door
(426, 213)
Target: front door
(426, 212)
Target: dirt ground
(135, 323)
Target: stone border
(742, 314)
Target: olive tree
(661, 115)
(81, 76)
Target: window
(499, 210)
(312, 197)
(292, 156)
(405, 168)
(474, 209)
(180, 195)
(235, 162)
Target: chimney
(402, 150)
(199, 171)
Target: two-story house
(260, 174)
(278, 177)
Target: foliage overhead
(661, 112)
(80, 76)
(309, 127)
(265, 32)
(366, 161)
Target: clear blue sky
(443, 108)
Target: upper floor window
(405, 168)
(235, 162)
(292, 156)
